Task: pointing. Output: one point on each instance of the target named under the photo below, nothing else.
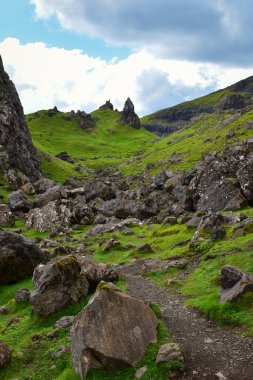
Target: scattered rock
(145, 248)
(140, 372)
(110, 244)
(22, 295)
(169, 351)
(112, 331)
(64, 156)
(220, 376)
(234, 283)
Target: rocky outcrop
(107, 106)
(7, 218)
(128, 115)
(18, 257)
(234, 282)
(18, 160)
(58, 284)
(112, 331)
(231, 101)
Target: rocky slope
(18, 162)
(169, 120)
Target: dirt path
(209, 348)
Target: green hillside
(108, 145)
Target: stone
(145, 248)
(5, 354)
(52, 217)
(249, 142)
(18, 257)
(220, 376)
(18, 201)
(28, 188)
(55, 193)
(58, 284)
(64, 323)
(18, 159)
(113, 331)
(112, 226)
(128, 115)
(109, 244)
(140, 372)
(169, 351)
(230, 134)
(43, 184)
(231, 101)
(234, 283)
(4, 310)
(64, 156)
(97, 272)
(7, 218)
(22, 295)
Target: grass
(107, 145)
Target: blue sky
(76, 54)
(17, 19)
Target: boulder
(96, 272)
(222, 195)
(55, 193)
(128, 115)
(98, 189)
(234, 282)
(52, 217)
(19, 202)
(7, 218)
(112, 331)
(28, 188)
(18, 257)
(43, 184)
(22, 295)
(112, 226)
(5, 354)
(58, 285)
(169, 351)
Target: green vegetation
(107, 145)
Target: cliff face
(18, 162)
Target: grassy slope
(109, 144)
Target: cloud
(70, 79)
(196, 30)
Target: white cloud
(70, 79)
(199, 30)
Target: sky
(76, 54)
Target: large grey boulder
(58, 284)
(18, 161)
(245, 177)
(18, 257)
(234, 282)
(112, 331)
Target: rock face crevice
(18, 162)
